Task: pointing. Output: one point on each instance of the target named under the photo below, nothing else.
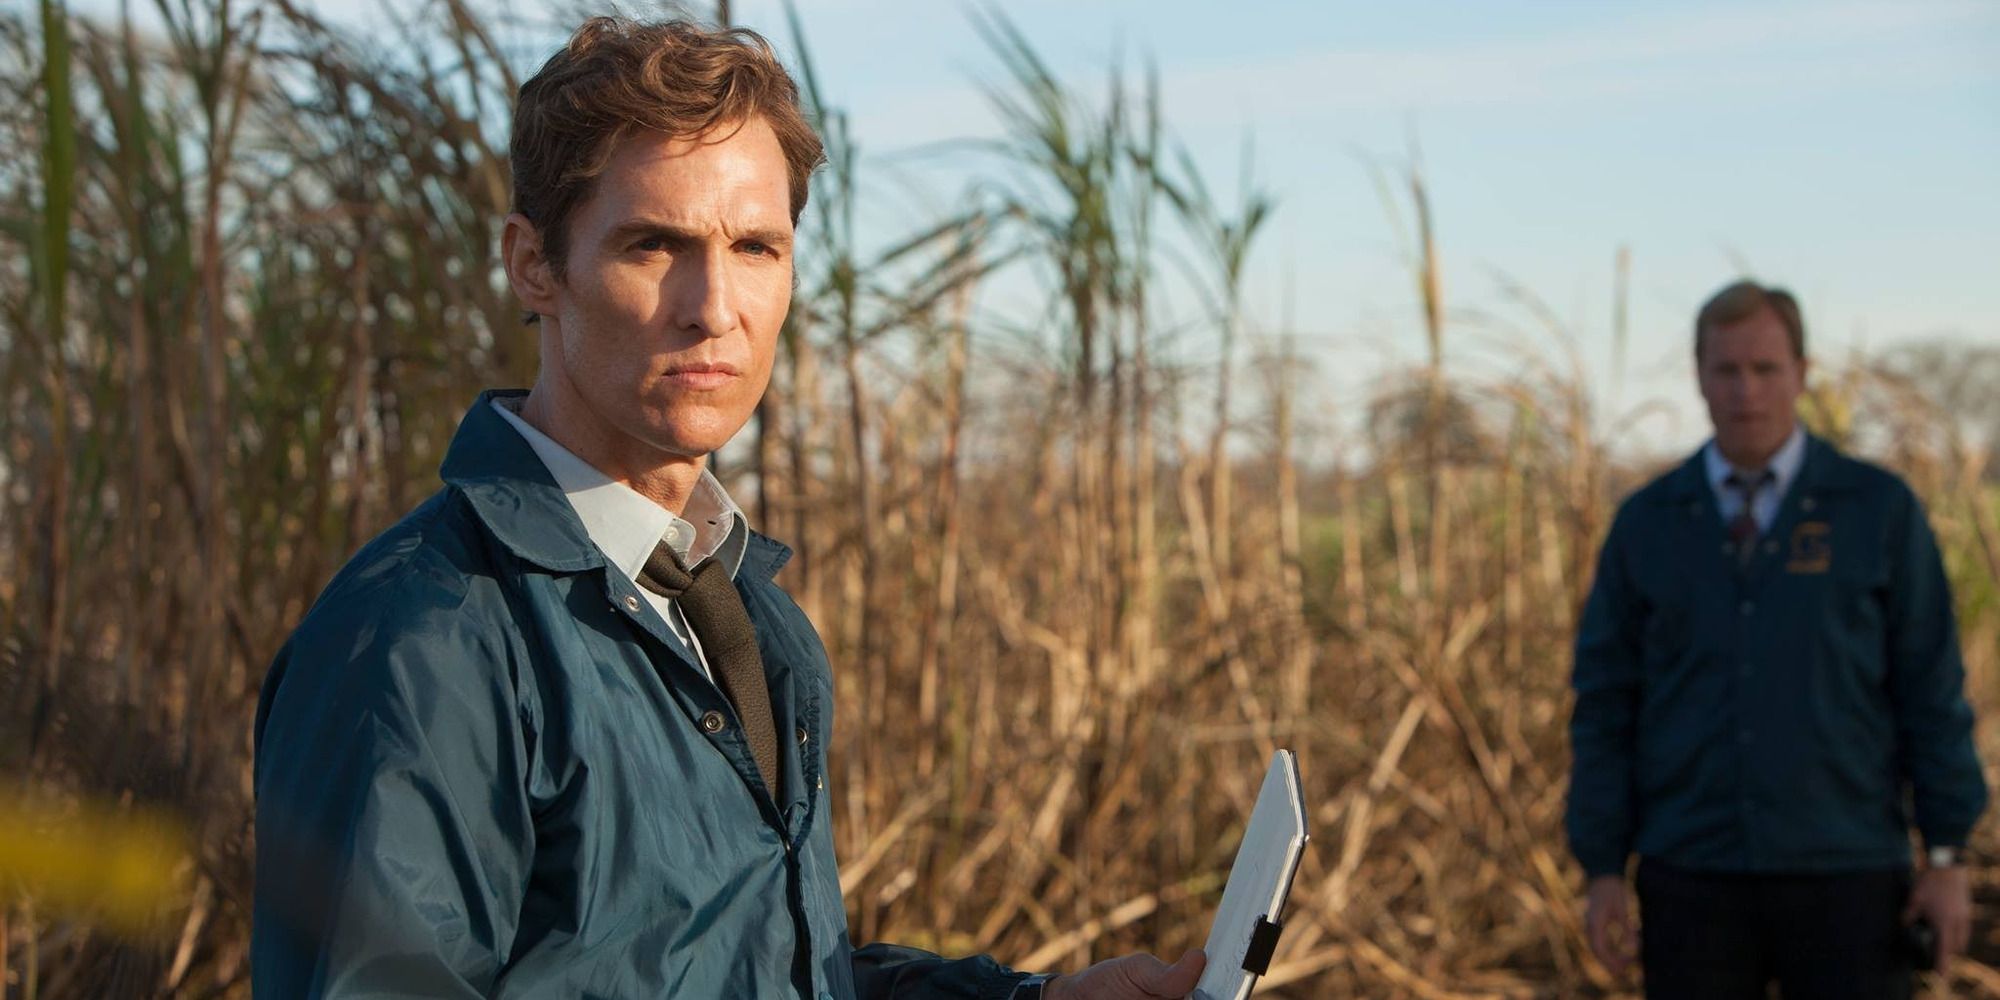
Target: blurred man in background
(557, 733)
(1767, 672)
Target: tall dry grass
(1079, 573)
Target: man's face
(679, 275)
(1751, 381)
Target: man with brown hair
(1768, 692)
(556, 733)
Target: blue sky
(1850, 150)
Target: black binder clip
(1263, 941)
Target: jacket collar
(514, 495)
(763, 557)
(1689, 482)
(1783, 466)
(1825, 469)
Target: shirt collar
(1784, 467)
(720, 529)
(623, 522)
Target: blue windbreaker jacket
(1791, 716)
(486, 768)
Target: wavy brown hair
(616, 75)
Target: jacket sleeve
(393, 839)
(1926, 680)
(891, 972)
(1600, 815)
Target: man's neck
(1782, 458)
(1748, 462)
(665, 479)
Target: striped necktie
(1743, 528)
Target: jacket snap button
(711, 722)
(801, 734)
(631, 602)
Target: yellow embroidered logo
(1812, 548)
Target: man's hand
(1614, 938)
(1943, 896)
(1134, 977)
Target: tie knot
(664, 574)
(1749, 484)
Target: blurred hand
(1133, 977)
(1943, 896)
(1614, 938)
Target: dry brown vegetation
(1075, 592)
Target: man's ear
(528, 270)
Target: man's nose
(699, 295)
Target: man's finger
(1600, 938)
(1612, 938)
(1629, 934)
(1957, 935)
(1624, 941)
(1178, 979)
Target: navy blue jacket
(486, 768)
(1787, 717)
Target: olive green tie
(707, 598)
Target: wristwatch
(1029, 988)
(1943, 856)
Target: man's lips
(702, 375)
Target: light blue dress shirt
(1784, 468)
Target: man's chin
(680, 443)
(686, 433)
(678, 449)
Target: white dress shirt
(1784, 468)
(627, 526)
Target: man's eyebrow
(768, 236)
(633, 228)
(636, 228)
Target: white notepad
(1247, 923)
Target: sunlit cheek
(641, 297)
(764, 290)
